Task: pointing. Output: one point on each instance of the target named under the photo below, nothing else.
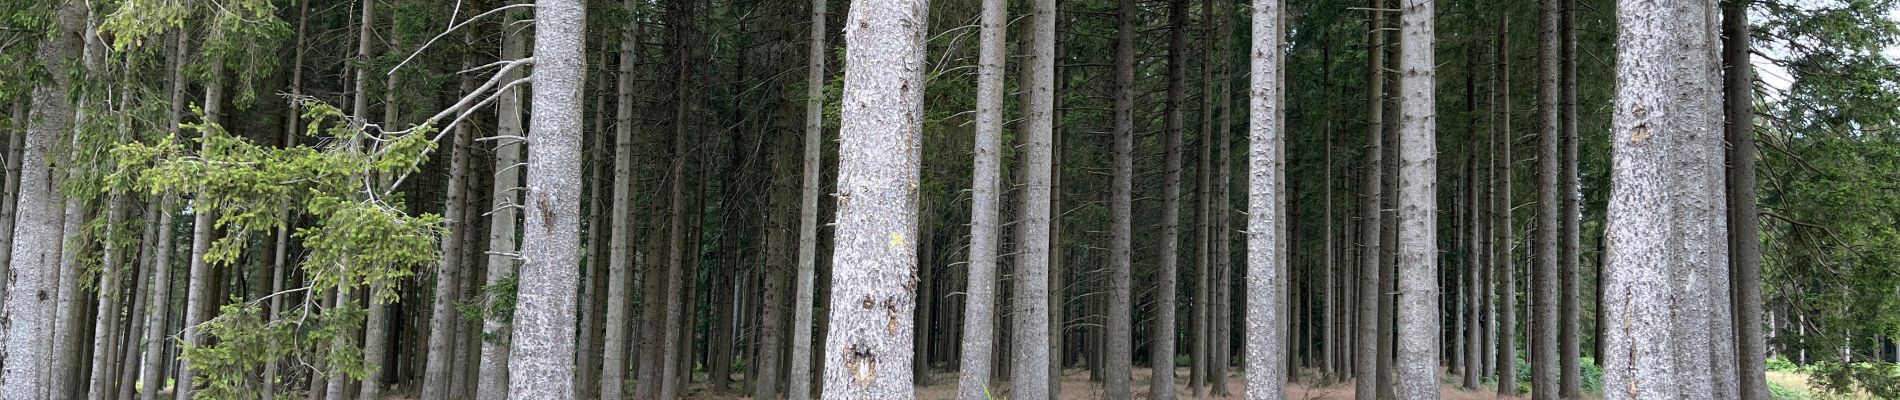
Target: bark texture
(1418, 325)
(1118, 345)
(1544, 280)
(1744, 225)
(874, 262)
(1368, 351)
(1161, 345)
(542, 361)
(1266, 355)
(505, 202)
(36, 248)
(799, 382)
(979, 310)
(1029, 349)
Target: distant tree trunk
(674, 285)
(1223, 182)
(1030, 346)
(800, 378)
(1369, 351)
(542, 362)
(1744, 228)
(1544, 280)
(880, 156)
(1570, 357)
(613, 361)
(771, 317)
(926, 280)
(1418, 325)
(1503, 229)
(280, 254)
(1161, 349)
(973, 376)
(129, 355)
(111, 273)
(505, 201)
(1266, 346)
(1200, 365)
(1119, 344)
(442, 316)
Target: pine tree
(1266, 346)
(541, 364)
(1418, 306)
(868, 349)
(973, 376)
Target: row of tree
(500, 199)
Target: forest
(949, 199)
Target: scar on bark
(862, 364)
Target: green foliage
(1779, 392)
(1781, 363)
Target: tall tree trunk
(1197, 372)
(1570, 356)
(799, 383)
(129, 356)
(1369, 351)
(1544, 279)
(280, 254)
(442, 315)
(771, 317)
(106, 317)
(542, 362)
(1223, 210)
(1744, 228)
(1656, 114)
(674, 284)
(1161, 347)
(1030, 346)
(973, 377)
(160, 303)
(613, 362)
(198, 299)
(880, 158)
(1418, 325)
(1119, 344)
(1503, 229)
(1266, 346)
(505, 204)
(1711, 165)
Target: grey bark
(1161, 346)
(799, 381)
(1029, 376)
(613, 363)
(1266, 280)
(542, 362)
(505, 203)
(771, 317)
(1223, 209)
(198, 299)
(1118, 345)
(1570, 350)
(1711, 164)
(973, 376)
(159, 304)
(1544, 280)
(129, 356)
(36, 249)
(16, 141)
(868, 347)
(1197, 371)
(1643, 350)
(1744, 227)
(281, 252)
(1368, 352)
(112, 272)
(1418, 325)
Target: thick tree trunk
(973, 377)
(1656, 116)
(1418, 325)
(1119, 345)
(1544, 279)
(1369, 351)
(868, 348)
(1266, 346)
(542, 362)
(504, 211)
(1744, 228)
(799, 382)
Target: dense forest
(968, 199)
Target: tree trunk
(155, 334)
(1266, 346)
(1200, 365)
(613, 362)
(9, 200)
(1418, 325)
(1744, 228)
(198, 299)
(442, 315)
(1504, 231)
(1570, 356)
(799, 383)
(868, 348)
(1544, 279)
(674, 284)
(1655, 110)
(1223, 182)
(505, 201)
(1030, 346)
(1119, 344)
(542, 363)
(771, 317)
(973, 377)
(1161, 349)
(1369, 352)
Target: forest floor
(1076, 386)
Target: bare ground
(1076, 386)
